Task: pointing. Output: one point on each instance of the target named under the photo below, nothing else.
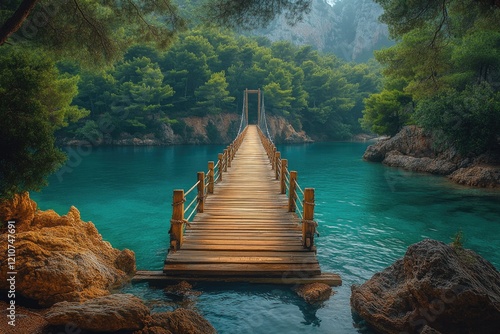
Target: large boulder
(449, 289)
(179, 321)
(60, 258)
(103, 314)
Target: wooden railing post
(293, 192)
(211, 177)
(277, 158)
(221, 168)
(201, 191)
(284, 164)
(308, 223)
(231, 150)
(177, 221)
(226, 159)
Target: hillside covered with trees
(205, 72)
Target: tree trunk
(16, 20)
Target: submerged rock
(60, 258)
(178, 321)
(181, 290)
(104, 314)
(412, 149)
(314, 292)
(450, 290)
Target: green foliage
(94, 31)
(386, 112)
(213, 95)
(34, 101)
(467, 120)
(458, 240)
(448, 61)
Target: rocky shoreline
(413, 149)
(212, 129)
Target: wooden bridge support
(308, 223)
(211, 177)
(177, 221)
(201, 191)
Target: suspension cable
(243, 122)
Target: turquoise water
(367, 213)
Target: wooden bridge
(248, 220)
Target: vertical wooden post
(293, 192)
(177, 221)
(201, 191)
(277, 157)
(210, 177)
(226, 159)
(284, 164)
(221, 168)
(231, 152)
(308, 223)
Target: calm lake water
(368, 215)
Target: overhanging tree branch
(15, 22)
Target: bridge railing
(183, 213)
(300, 201)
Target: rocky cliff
(348, 28)
(413, 149)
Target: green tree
(92, 30)
(387, 112)
(468, 120)
(213, 96)
(34, 101)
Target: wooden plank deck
(245, 232)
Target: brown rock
(20, 209)
(314, 292)
(104, 314)
(61, 258)
(26, 321)
(413, 149)
(451, 290)
(478, 176)
(429, 330)
(183, 289)
(180, 321)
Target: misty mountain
(348, 28)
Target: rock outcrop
(433, 287)
(314, 292)
(412, 149)
(283, 132)
(104, 314)
(60, 258)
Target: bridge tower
(253, 91)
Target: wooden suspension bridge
(248, 220)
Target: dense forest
(205, 72)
